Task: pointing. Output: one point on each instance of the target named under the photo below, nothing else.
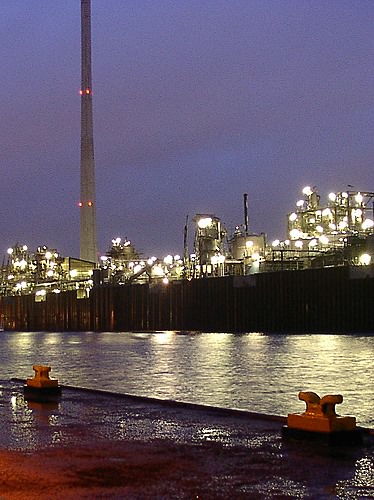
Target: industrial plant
(319, 277)
(338, 232)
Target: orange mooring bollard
(41, 386)
(41, 378)
(320, 421)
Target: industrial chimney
(88, 246)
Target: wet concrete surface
(89, 444)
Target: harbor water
(253, 371)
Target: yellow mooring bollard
(320, 421)
(41, 387)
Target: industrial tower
(88, 247)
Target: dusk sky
(195, 103)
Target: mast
(88, 245)
(245, 202)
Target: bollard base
(41, 394)
(338, 438)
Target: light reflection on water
(252, 371)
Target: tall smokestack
(88, 248)
(245, 200)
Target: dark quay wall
(336, 299)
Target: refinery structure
(337, 232)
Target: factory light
(157, 271)
(365, 259)
(359, 198)
(367, 224)
(332, 196)
(307, 191)
(205, 222)
(324, 239)
(168, 260)
(218, 259)
(295, 233)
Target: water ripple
(251, 371)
